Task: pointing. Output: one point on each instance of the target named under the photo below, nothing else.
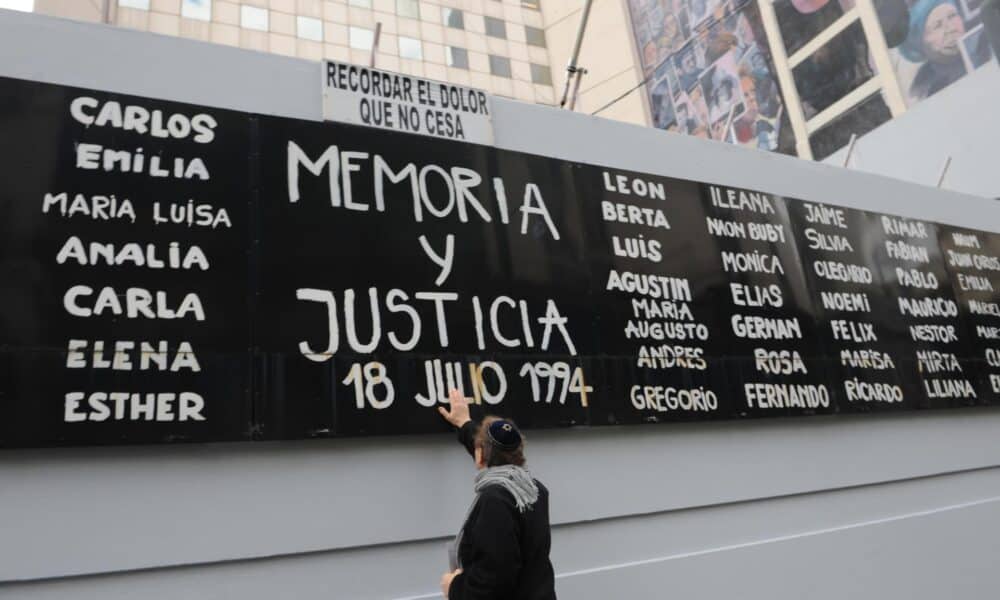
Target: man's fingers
(444, 413)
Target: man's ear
(479, 458)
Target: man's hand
(459, 413)
(447, 577)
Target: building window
(859, 120)
(532, 4)
(410, 48)
(252, 17)
(408, 8)
(457, 57)
(452, 17)
(500, 66)
(360, 3)
(140, 4)
(833, 71)
(534, 36)
(541, 74)
(309, 28)
(496, 28)
(361, 38)
(197, 9)
(800, 21)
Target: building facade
(800, 77)
(494, 45)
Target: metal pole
(571, 68)
(378, 34)
(850, 149)
(106, 12)
(576, 87)
(944, 171)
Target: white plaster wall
(960, 122)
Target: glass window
(252, 17)
(360, 3)
(496, 27)
(532, 4)
(140, 4)
(197, 9)
(541, 74)
(408, 8)
(410, 48)
(309, 28)
(500, 66)
(859, 120)
(361, 38)
(801, 20)
(534, 36)
(833, 70)
(452, 17)
(457, 57)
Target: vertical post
(850, 149)
(375, 39)
(576, 87)
(944, 171)
(106, 12)
(784, 74)
(571, 68)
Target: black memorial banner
(392, 270)
(973, 262)
(124, 249)
(773, 354)
(870, 358)
(181, 273)
(655, 282)
(926, 312)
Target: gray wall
(892, 507)
(960, 121)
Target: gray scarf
(514, 479)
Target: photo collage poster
(933, 43)
(710, 71)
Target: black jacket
(504, 552)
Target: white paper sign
(363, 96)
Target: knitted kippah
(504, 434)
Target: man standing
(502, 550)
